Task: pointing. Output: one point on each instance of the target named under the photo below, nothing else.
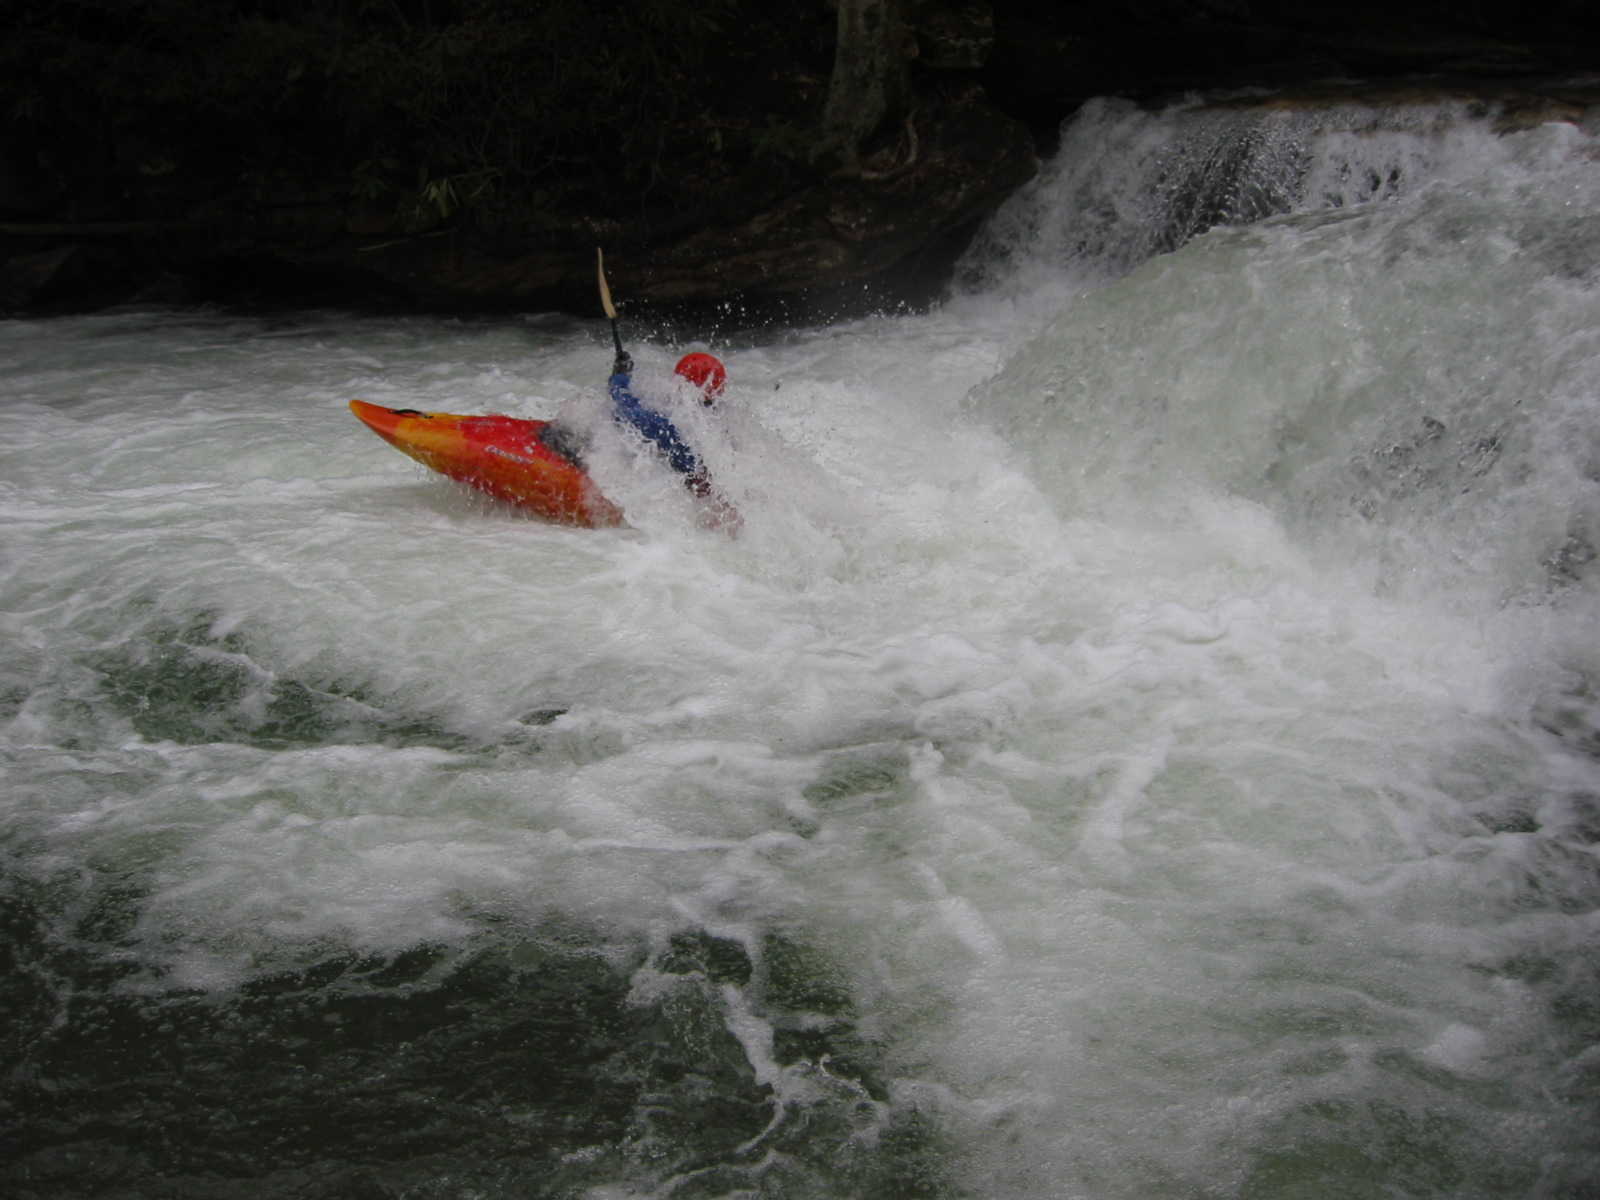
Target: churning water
(1145, 742)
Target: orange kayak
(500, 455)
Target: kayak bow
(499, 455)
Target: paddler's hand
(716, 512)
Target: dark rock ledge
(815, 199)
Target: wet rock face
(1050, 55)
(777, 214)
(949, 162)
(891, 221)
(880, 219)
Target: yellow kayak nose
(504, 457)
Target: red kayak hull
(498, 455)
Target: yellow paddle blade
(605, 292)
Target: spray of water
(1143, 743)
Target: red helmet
(705, 371)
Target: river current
(1145, 741)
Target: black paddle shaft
(605, 302)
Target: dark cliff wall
(471, 153)
(1050, 55)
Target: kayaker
(709, 377)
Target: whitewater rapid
(1144, 741)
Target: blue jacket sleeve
(652, 426)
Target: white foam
(1128, 768)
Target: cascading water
(1401, 358)
(1145, 742)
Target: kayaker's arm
(652, 426)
